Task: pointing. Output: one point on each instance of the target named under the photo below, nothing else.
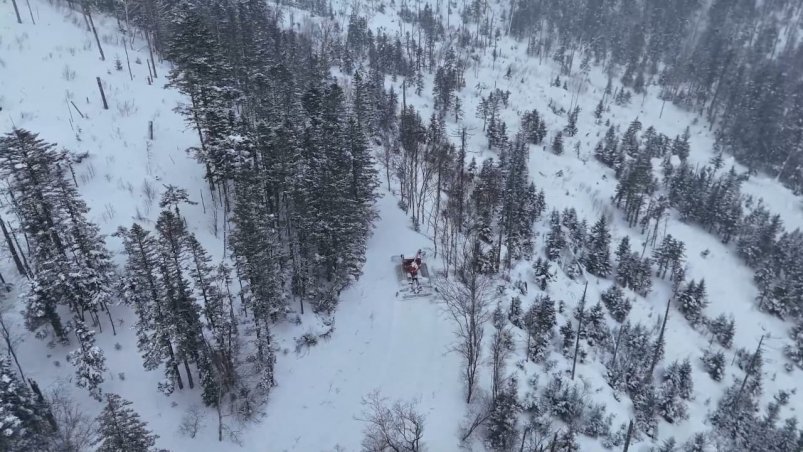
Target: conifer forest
(401, 225)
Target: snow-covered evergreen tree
(143, 288)
(692, 301)
(557, 144)
(675, 390)
(714, 364)
(597, 258)
(120, 428)
(23, 419)
(88, 359)
(794, 350)
(614, 299)
(502, 429)
(555, 240)
(723, 329)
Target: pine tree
(515, 313)
(714, 364)
(70, 263)
(794, 351)
(539, 322)
(502, 429)
(184, 312)
(680, 146)
(557, 144)
(23, 419)
(693, 301)
(571, 127)
(121, 430)
(723, 329)
(624, 264)
(597, 259)
(599, 110)
(542, 272)
(88, 359)
(144, 290)
(675, 389)
(595, 329)
(555, 240)
(617, 304)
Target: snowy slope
(579, 181)
(400, 347)
(380, 342)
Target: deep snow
(399, 346)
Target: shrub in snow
(595, 422)
(192, 421)
(615, 439)
(697, 443)
(565, 400)
(714, 364)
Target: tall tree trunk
(189, 374)
(13, 249)
(17, 11)
(94, 31)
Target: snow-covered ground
(401, 347)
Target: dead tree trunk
(102, 94)
(27, 2)
(94, 31)
(629, 436)
(150, 51)
(17, 11)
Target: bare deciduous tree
(467, 298)
(76, 429)
(396, 428)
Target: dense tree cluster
(734, 62)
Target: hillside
(329, 361)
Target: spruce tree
(557, 144)
(794, 350)
(555, 241)
(617, 304)
(723, 329)
(121, 430)
(597, 258)
(144, 289)
(714, 364)
(23, 419)
(571, 127)
(675, 389)
(502, 428)
(88, 359)
(692, 302)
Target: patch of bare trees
(395, 428)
